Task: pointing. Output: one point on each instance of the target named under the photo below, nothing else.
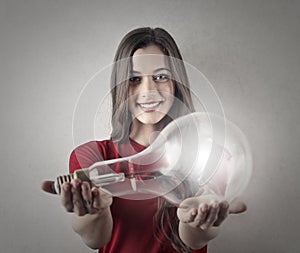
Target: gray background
(249, 50)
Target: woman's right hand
(79, 198)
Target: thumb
(237, 207)
(48, 186)
(186, 214)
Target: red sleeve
(85, 155)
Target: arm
(196, 238)
(198, 219)
(94, 229)
(92, 219)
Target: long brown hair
(141, 38)
(121, 118)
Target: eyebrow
(156, 70)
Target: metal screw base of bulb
(60, 180)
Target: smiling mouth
(149, 106)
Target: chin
(148, 119)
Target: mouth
(149, 107)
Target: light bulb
(194, 152)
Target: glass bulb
(192, 153)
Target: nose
(148, 83)
(148, 87)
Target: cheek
(130, 91)
(172, 93)
(173, 89)
(170, 90)
(131, 97)
(131, 94)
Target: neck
(144, 134)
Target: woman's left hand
(206, 211)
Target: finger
(79, 207)
(48, 186)
(105, 198)
(211, 216)
(192, 214)
(186, 215)
(105, 192)
(66, 197)
(237, 207)
(96, 201)
(86, 196)
(223, 213)
(202, 214)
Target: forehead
(147, 60)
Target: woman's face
(151, 89)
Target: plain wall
(250, 52)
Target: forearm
(94, 229)
(195, 237)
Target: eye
(135, 79)
(161, 78)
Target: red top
(132, 219)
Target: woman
(149, 88)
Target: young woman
(149, 88)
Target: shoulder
(88, 153)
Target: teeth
(149, 105)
